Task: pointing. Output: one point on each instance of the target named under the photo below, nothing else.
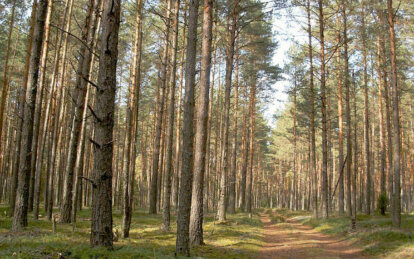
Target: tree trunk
(183, 219)
(101, 227)
(79, 94)
(170, 126)
(20, 211)
(347, 112)
(196, 217)
(160, 115)
(325, 198)
(312, 97)
(396, 196)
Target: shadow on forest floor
(239, 237)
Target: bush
(382, 203)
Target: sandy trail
(294, 240)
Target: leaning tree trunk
(196, 218)
(20, 210)
(103, 111)
(183, 218)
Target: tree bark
(196, 217)
(101, 226)
(160, 115)
(396, 154)
(183, 219)
(170, 126)
(20, 210)
(325, 198)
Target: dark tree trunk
(21, 207)
(101, 223)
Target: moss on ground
(238, 237)
(374, 233)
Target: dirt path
(294, 240)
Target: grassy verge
(374, 233)
(239, 237)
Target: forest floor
(239, 237)
(266, 234)
(295, 234)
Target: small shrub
(382, 203)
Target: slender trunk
(160, 114)
(36, 160)
(396, 195)
(312, 97)
(86, 74)
(79, 94)
(196, 217)
(22, 99)
(21, 207)
(325, 198)
(366, 119)
(230, 40)
(170, 126)
(347, 112)
(340, 131)
(5, 87)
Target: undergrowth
(238, 237)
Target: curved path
(291, 239)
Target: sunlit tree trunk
(183, 218)
(196, 218)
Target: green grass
(238, 237)
(374, 233)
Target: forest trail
(292, 239)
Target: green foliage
(382, 203)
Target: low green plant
(382, 203)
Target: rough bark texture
(21, 206)
(101, 223)
(79, 94)
(183, 218)
(196, 218)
